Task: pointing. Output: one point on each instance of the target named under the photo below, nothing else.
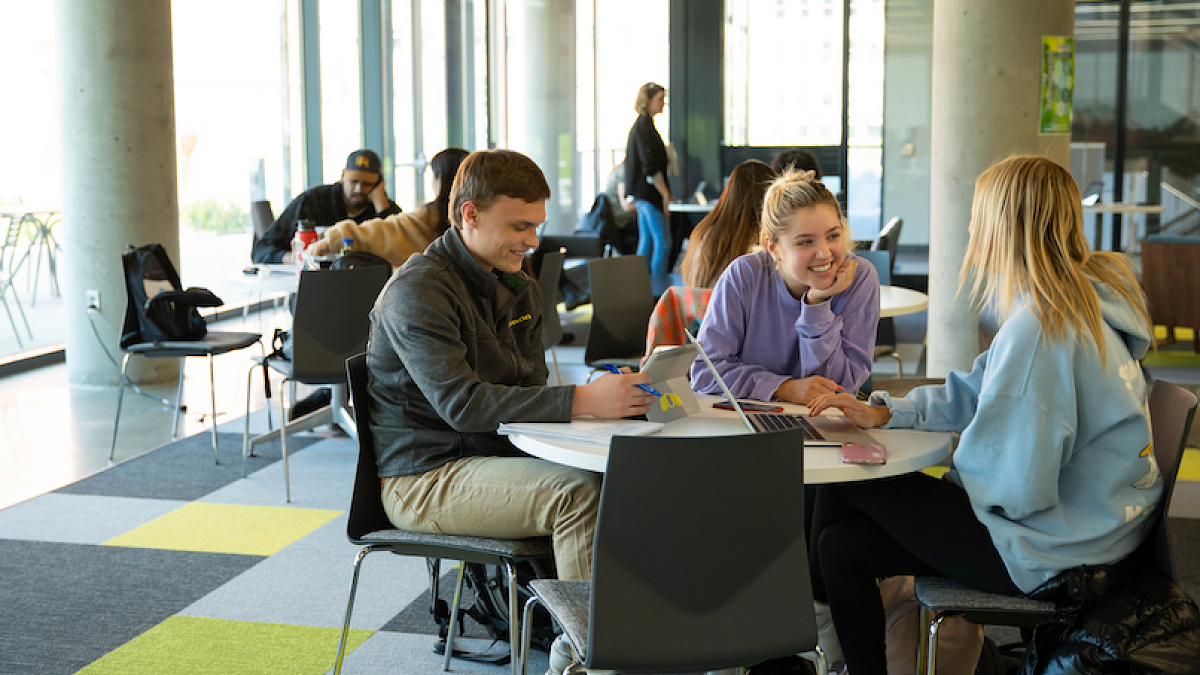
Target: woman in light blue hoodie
(1054, 468)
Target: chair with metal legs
(331, 324)
(213, 343)
(368, 526)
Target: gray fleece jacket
(454, 351)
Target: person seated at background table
(454, 350)
(360, 195)
(400, 235)
(731, 229)
(797, 319)
(1054, 467)
(797, 159)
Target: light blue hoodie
(1055, 450)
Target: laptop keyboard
(779, 421)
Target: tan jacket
(394, 238)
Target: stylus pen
(644, 387)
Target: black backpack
(490, 586)
(156, 309)
(599, 221)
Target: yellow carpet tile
(226, 528)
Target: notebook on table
(830, 430)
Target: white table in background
(907, 450)
(897, 301)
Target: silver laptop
(818, 429)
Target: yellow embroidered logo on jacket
(519, 319)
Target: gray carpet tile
(322, 477)
(1185, 548)
(63, 606)
(386, 652)
(183, 470)
(415, 618)
(79, 519)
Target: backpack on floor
(490, 607)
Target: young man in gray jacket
(455, 349)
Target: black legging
(910, 524)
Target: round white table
(267, 278)
(907, 450)
(897, 301)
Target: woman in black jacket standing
(646, 180)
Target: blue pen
(644, 387)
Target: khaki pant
(503, 498)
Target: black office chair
(368, 526)
(261, 218)
(885, 335)
(688, 575)
(331, 324)
(621, 305)
(888, 240)
(552, 331)
(158, 274)
(1172, 409)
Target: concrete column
(986, 99)
(550, 124)
(119, 175)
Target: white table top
(270, 278)
(675, 207)
(896, 301)
(907, 450)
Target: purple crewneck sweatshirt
(758, 335)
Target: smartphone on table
(870, 454)
(749, 406)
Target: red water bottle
(306, 235)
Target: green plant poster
(1058, 83)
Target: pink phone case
(863, 453)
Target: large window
(341, 118)
(1161, 136)
(806, 39)
(419, 88)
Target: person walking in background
(646, 180)
(1054, 468)
(360, 195)
(731, 229)
(400, 235)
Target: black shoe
(317, 400)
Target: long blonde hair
(1027, 243)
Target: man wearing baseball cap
(360, 195)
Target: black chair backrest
(261, 218)
(332, 320)
(577, 246)
(366, 510)
(888, 240)
(548, 276)
(1172, 409)
(700, 560)
(622, 301)
(881, 260)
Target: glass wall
(1161, 134)
(419, 88)
(341, 110)
(807, 35)
(609, 72)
